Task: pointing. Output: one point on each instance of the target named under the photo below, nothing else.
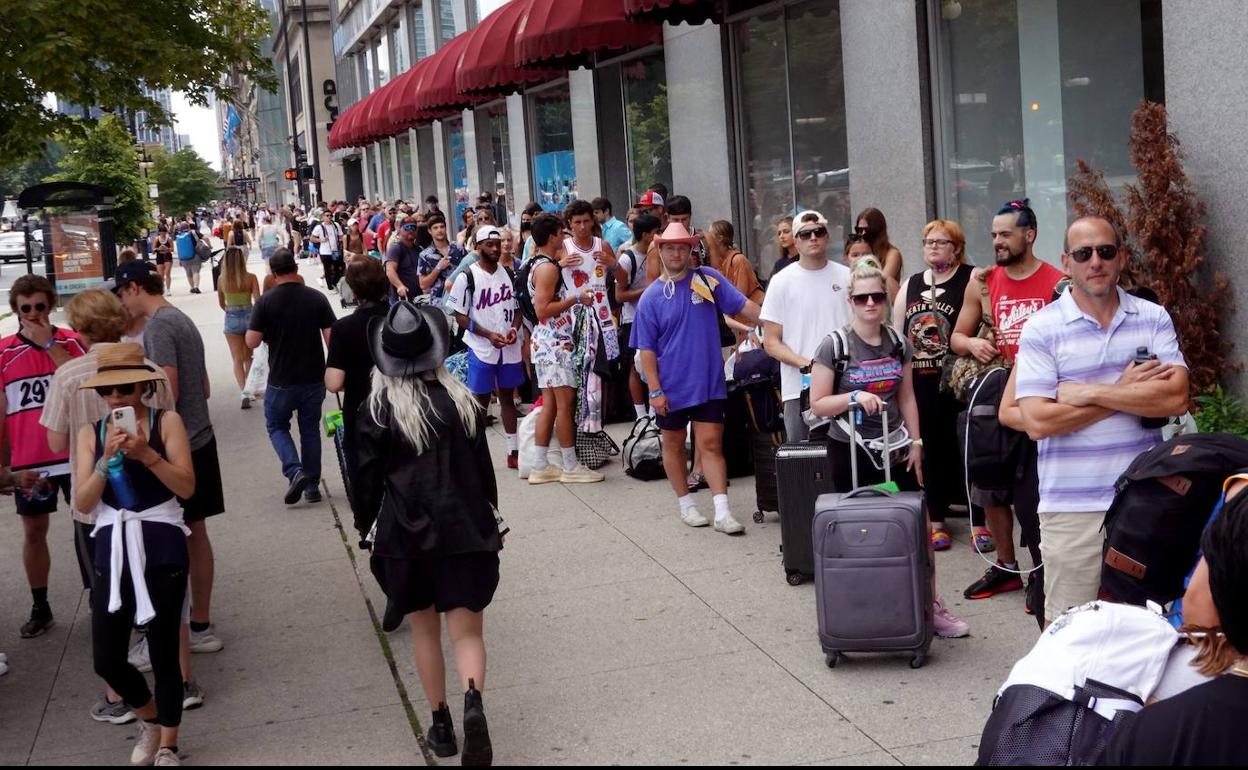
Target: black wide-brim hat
(411, 339)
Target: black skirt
(447, 583)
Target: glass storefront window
(407, 185)
(387, 169)
(645, 117)
(457, 161)
(495, 153)
(792, 125)
(383, 60)
(1028, 89)
(446, 21)
(554, 163)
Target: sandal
(981, 538)
(941, 541)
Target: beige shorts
(1071, 545)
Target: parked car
(13, 245)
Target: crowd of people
(540, 313)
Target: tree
(19, 176)
(1164, 238)
(103, 155)
(103, 52)
(185, 181)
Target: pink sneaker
(947, 625)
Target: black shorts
(625, 334)
(463, 581)
(209, 498)
(711, 411)
(164, 259)
(28, 507)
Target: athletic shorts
(483, 378)
(711, 411)
(29, 507)
(555, 376)
(164, 259)
(209, 498)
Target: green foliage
(103, 155)
(185, 181)
(651, 143)
(19, 176)
(102, 52)
(1219, 412)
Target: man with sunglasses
(403, 262)
(804, 303)
(1082, 395)
(28, 360)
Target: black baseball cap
(129, 272)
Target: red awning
(675, 11)
(345, 126)
(381, 120)
(404, 112)
(569, 32)
(488, 65)
(437, 96)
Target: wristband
(656, 393)
(472, 326)
(101, 467)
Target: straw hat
(121, 364)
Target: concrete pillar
(517, 136)
(446, 193)
(585, 133)
(394, 169)
(697, 120)
(888, 163)
(417, 185)
(475, 183)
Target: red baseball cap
(650, 198)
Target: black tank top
(149, 491)
(928, 324)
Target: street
(617, 635)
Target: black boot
(477, 749)
(441, 735)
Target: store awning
(674, 11)
(344, 130)
(437, 96)
(568, 33)
(405, 112)
(488, 65)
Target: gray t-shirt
(878, 369)
(171, 339)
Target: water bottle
(1149, 423)
(119, 480)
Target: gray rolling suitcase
(803, 473)
(873, 571)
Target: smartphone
(124, 417)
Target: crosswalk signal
(305, 172)
(291, 174)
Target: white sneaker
(139, 656)
(206, 641)
(728, 525)
(692, 518)
(580, 475)
(166, 758)
(546, 475)
(146, 745)
(4, 664)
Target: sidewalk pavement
(617, 635)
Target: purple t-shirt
(684, 333)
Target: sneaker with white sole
(947, 625)
(692, 518)
(114, 713)
(206, 641)
(581, 475)
(547, 475)
(167, 758)
(192, 695)
(4, 664)
(139, 655)
(728, 525)
(147, 744)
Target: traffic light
(292, 174)
(305, 172)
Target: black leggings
(110, 637)
(333, 270)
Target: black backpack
(991, 451)
(520, 285)
(472, 284)
(1161, 506)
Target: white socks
(513, 443)
(641, 409)
(540, 463)
(685, 502)
(569, 459)
(721, 506)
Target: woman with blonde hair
(860, 372)
(237, 291)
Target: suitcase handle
(853, 444)
(868, 492)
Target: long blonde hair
(234, 276)
(407, 399)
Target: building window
(407, 186)
(645, 118)
(446, 22)
(554, 163)
(296, 89)
(457, 170)
(390, 192)
(1024, 91)
(791, 130)
(420, 39)
(383, 60)
(495, 151)
(399, 43)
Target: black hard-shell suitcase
(766, 494)
(803, 473)
(873, 569)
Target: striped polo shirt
(1061, 343)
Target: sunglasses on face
(125, 389)
(1107, 252)
(878, 297)
(856, 238)
(38, 307)
(860, 231)
(818, 232)
(409, 228)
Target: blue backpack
(185, 245)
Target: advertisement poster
(76, 255)
(555, 174)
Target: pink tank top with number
(26, 372)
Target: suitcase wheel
(833, 658)
(794, 577)
(759, 517)
(917, 660)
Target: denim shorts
(237, 319)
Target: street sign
(246, 180)
(153, 191)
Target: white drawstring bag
(527, 434)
